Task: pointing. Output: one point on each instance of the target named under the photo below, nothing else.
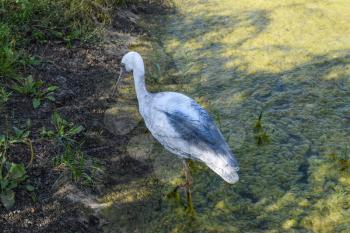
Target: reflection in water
(287, 59)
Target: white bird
(181, 125)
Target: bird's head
(132, 61)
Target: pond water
(290, 61)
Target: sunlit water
(289, 60)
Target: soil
(85, 75)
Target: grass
(4, 96)
(63, 132)
(76, 166)
(24, 23)
(71, 162)
(35, 90)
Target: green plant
(64, 131)
(73, 162)
(64, 20)
(12, 175)
(7, 54)
(35, 90)
(4, 96)
(261, 136)
(21, 136)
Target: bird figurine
(181, 125)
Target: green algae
(289, 58)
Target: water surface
(288, 59)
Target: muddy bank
(84, 75)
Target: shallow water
(287, 59)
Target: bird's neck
(140, 86)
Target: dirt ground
(85, 75)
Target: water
(287, 59)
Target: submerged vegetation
(290, 58)
(260, 134)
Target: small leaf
(2, 138)
(30, 79)
(36, 103)
(8, 199)
(34, 61)
(50, 97)
(3, 183)
(76, 130)
(28, 123)
(18, 132)
(12, 184)
(158, 67)
(39, 83)
(26, 134)
(29, 188)
(52, 88)
(57, 34)
(17, 171)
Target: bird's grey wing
(186, 129)
(196, 127)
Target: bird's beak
(121, 72)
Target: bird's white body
(181, 125)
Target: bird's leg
(187, 174)
(188, 186)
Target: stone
(140, 147)
(121, 120)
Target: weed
(73, 162)
(35, 90)
(4, 96)
(7, 55)
(21, 136)
(24, 22)
(12, 175)
(64, 130)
